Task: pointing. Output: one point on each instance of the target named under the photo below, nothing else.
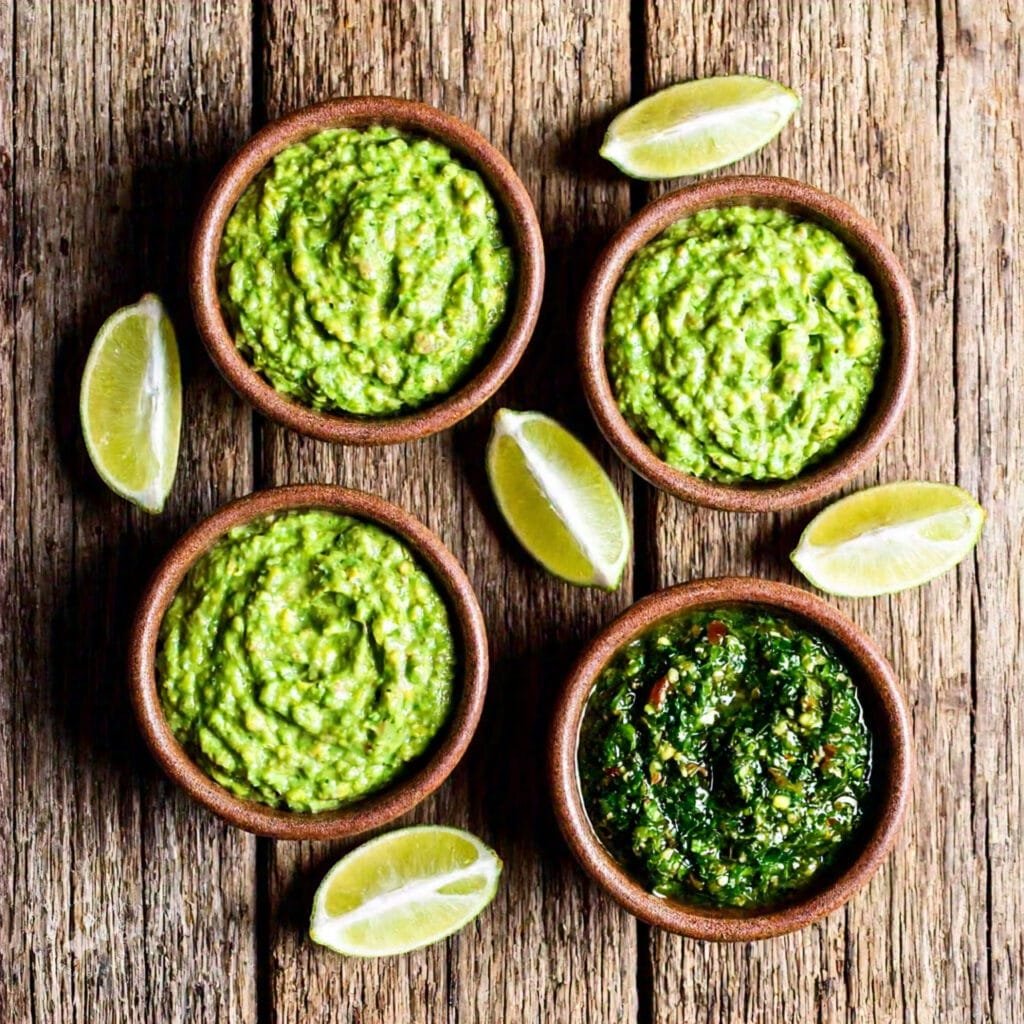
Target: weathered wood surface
(122, 901)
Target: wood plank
(13, 956)
(985, 69)
(871, 130)
(532, 80)
(130, 903)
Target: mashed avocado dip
(306, 660)
(724, 757)
(364, 271)
(743, 344)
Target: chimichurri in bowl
(724, 757)
(730, 758)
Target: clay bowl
(379, 808)
(874, 259)
(520, 223)
(886, 715)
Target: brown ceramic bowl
(520, 222)
(884, 710)
(874, 259)
(379, 808)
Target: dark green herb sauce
(724, 757)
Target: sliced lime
(130, 404)
(404, 890)
(697, 126)
(557, 499)
(889, 538)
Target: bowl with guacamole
(367, 270)
(748, 343)
(309, 662)
(731, 759)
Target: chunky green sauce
(743, 344)
(724, 757)
(306, 660)
(365, 271)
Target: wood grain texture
(194, 109)
(13, 956)
(124, 901)
(984, 66)
(550, 947)
(119, 114)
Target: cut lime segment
(130, 403)
(557, 499)
(697, 126)
(404, 890)
(889, 538)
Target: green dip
(743, 344)
(306, 660)
(364, 271)
(724, 757)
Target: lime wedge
(697, 126)
(557, 499)
(131, 403)
(889, 538)
(404, 890)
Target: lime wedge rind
(562, 502)
(331, 932)
(698, 126)
(566, 513)
(130, 403)
(892, 541)
(415, 907)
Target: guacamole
(743, 344)
(724, 757)
(306, 660)
(365, 271)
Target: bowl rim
(378, 808)
(722, 925)
(504, 351)
(874, 257)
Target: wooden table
(124, 902)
